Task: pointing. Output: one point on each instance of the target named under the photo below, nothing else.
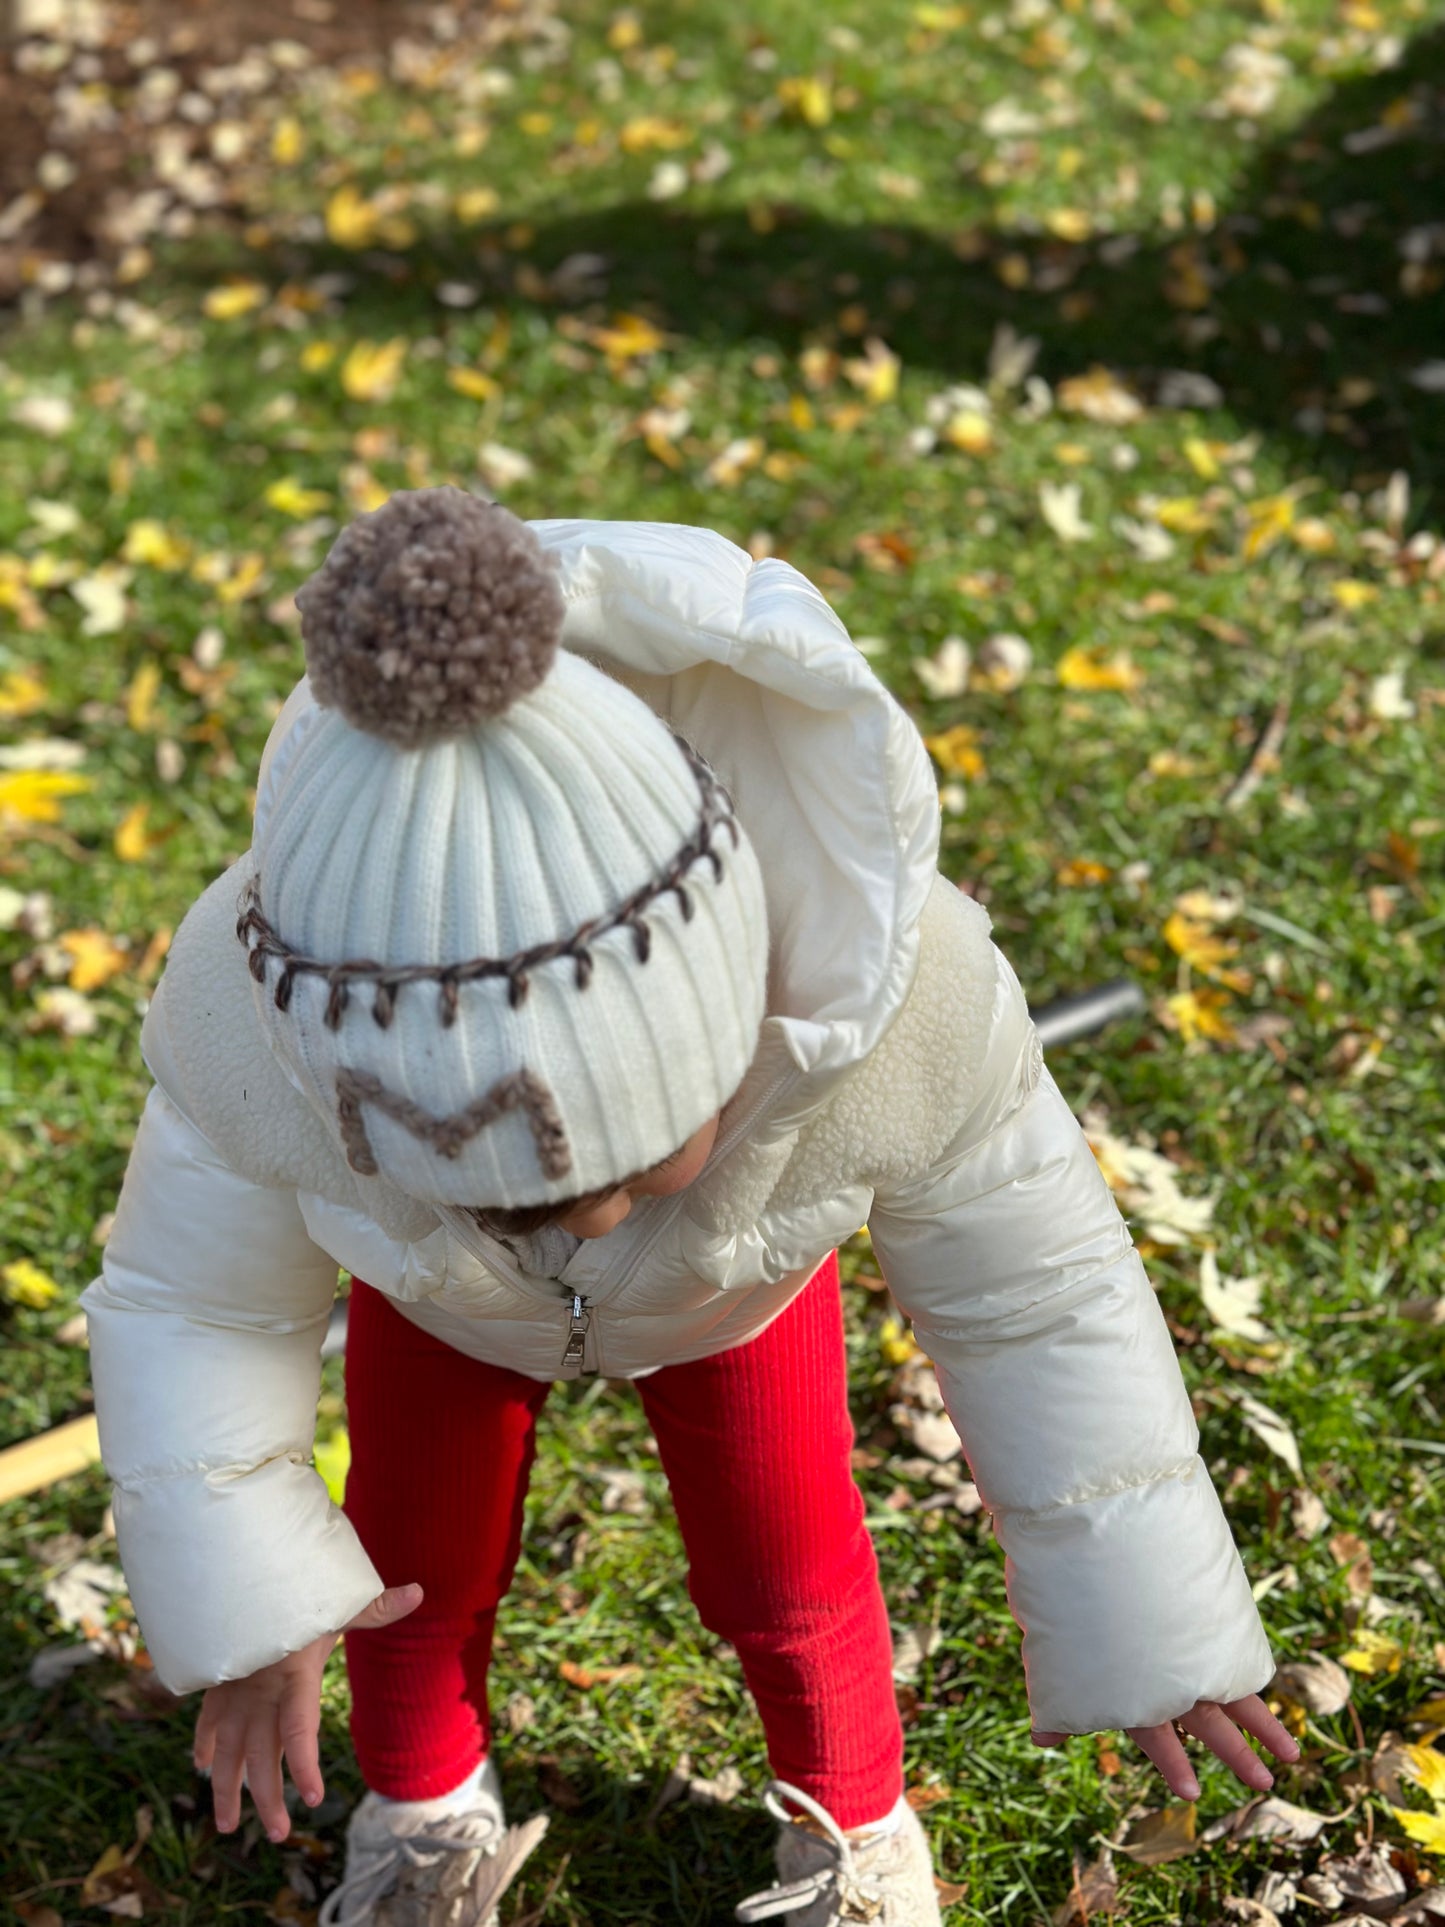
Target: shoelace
(359, 1893)
(840, 1883)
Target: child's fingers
(1255, 1717)
(227, 1762)
(300, 1723)
(1213, 1726)
(393, 1604)
(204, 1747)
(1162, 1745)
(263, 1776)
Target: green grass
(904, 219)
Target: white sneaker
(826, 1880)
(446, 1872)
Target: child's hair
(526, 1220)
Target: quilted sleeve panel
(1057, 1368)
(205, 1332)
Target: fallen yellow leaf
(131, 842)
(247, 577)
(26, 1284)
(351, 220)
(95, 957)
(1202, 457)
(970, 431)
(1426, 1828)
(317, 355)
(1169, 762)
(809, 97)
(1092, 668)
(140, 697)
(22, 692)
(783, 464)
(235, 298)
(1373, 1653)
(1313, 535)
(1353, 595)
(34, 796)
(1183, 515)
(727, 468)
(956, 752)
(1069, 223)
(648, 132)
(1100, 396)
(896, 1341)
(1201, 949)
(875, 372)
(1081, 871)
(363, 492)
(1427, 1770)
(1201, 1013)
(472, 383)
(154, 954)
(372, 369)
(475, 204)
(15, 593)
(291, 498)
(288, 141)
(1269, 518)
(153, 545)
(630, 335)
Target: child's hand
(1218, 1727)
(246, 1725)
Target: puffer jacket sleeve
(1056, 1366)
(205, 1331)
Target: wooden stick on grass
(35, 1463)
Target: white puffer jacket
(897, 1081)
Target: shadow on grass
(1317, 294)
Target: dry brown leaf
(1319, 1684)
(557, 1789)
(922, 1797)
(1307, 1514)
(1348, 1549)
(1253, 1912)
(585, 1676)
(1168, 1833)
(1367, 1877)
(1268, 1819)
(1095, 1891)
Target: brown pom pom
(430, 614)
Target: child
(587, 1063)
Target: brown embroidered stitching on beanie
(522, 1090)
(263, 942)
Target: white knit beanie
(505, 932)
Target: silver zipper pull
(577, 1332)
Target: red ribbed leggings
(756, 1445)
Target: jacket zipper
(579, 1322)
